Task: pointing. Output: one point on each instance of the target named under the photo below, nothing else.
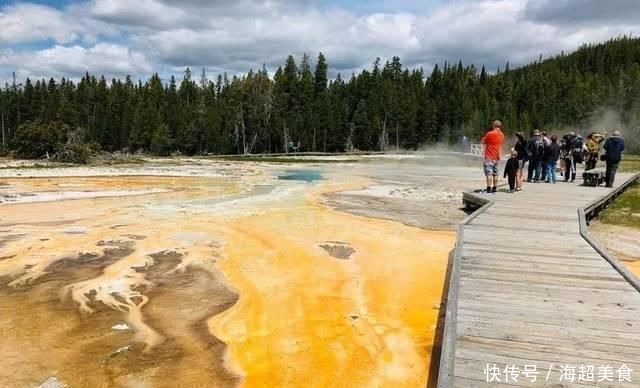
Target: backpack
(577, 146)
(577, 150)
(538, 147)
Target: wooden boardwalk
(530, 289)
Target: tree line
(300, 108)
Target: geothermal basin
(214, 273)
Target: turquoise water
(301, 175)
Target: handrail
(476, 149)
(447, 364)
(584, 231)
(445, 372)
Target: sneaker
(519, 189)
(494, 189)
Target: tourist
(567, 153)
(547, 142)
(562, 156)
(535, 149)
(593, 148)
(545, 138)
(551, 156)
(511, 170)
(613, 148)
(464, 144)
(492, 141)
(523, 157)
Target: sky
(66, 38)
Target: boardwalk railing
(447, 375)
(586, 213)
(447, 364)
(477, 149)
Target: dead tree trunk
(384, 133)
(4, 145)
(284, 131)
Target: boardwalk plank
(532, 290)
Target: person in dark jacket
(511, 170)
(535, 150)
(551, 156)
(523, 158)
(567, 154)
(613, 148)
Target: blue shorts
(491, 167)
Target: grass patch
(630, 163)
(625, 210)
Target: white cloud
(104, 58)
(233, 36)
(31, 22)
(139, 13)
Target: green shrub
(55, 140)
(73, 153)
(35, 140)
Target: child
(511, 170)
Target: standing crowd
(540, 154)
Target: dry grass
(625, 210)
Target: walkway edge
(445, 372)
(593, 208)
(447, 364)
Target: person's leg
(530, 170)
(519, 178)
(544, 171)
(567, 169)
(538, 170)
(512, 181)
(573, 170)
(496, 172)
(552, 170)
(547, 173)
(488, 171)
(612, 168)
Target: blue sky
(65, 38)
